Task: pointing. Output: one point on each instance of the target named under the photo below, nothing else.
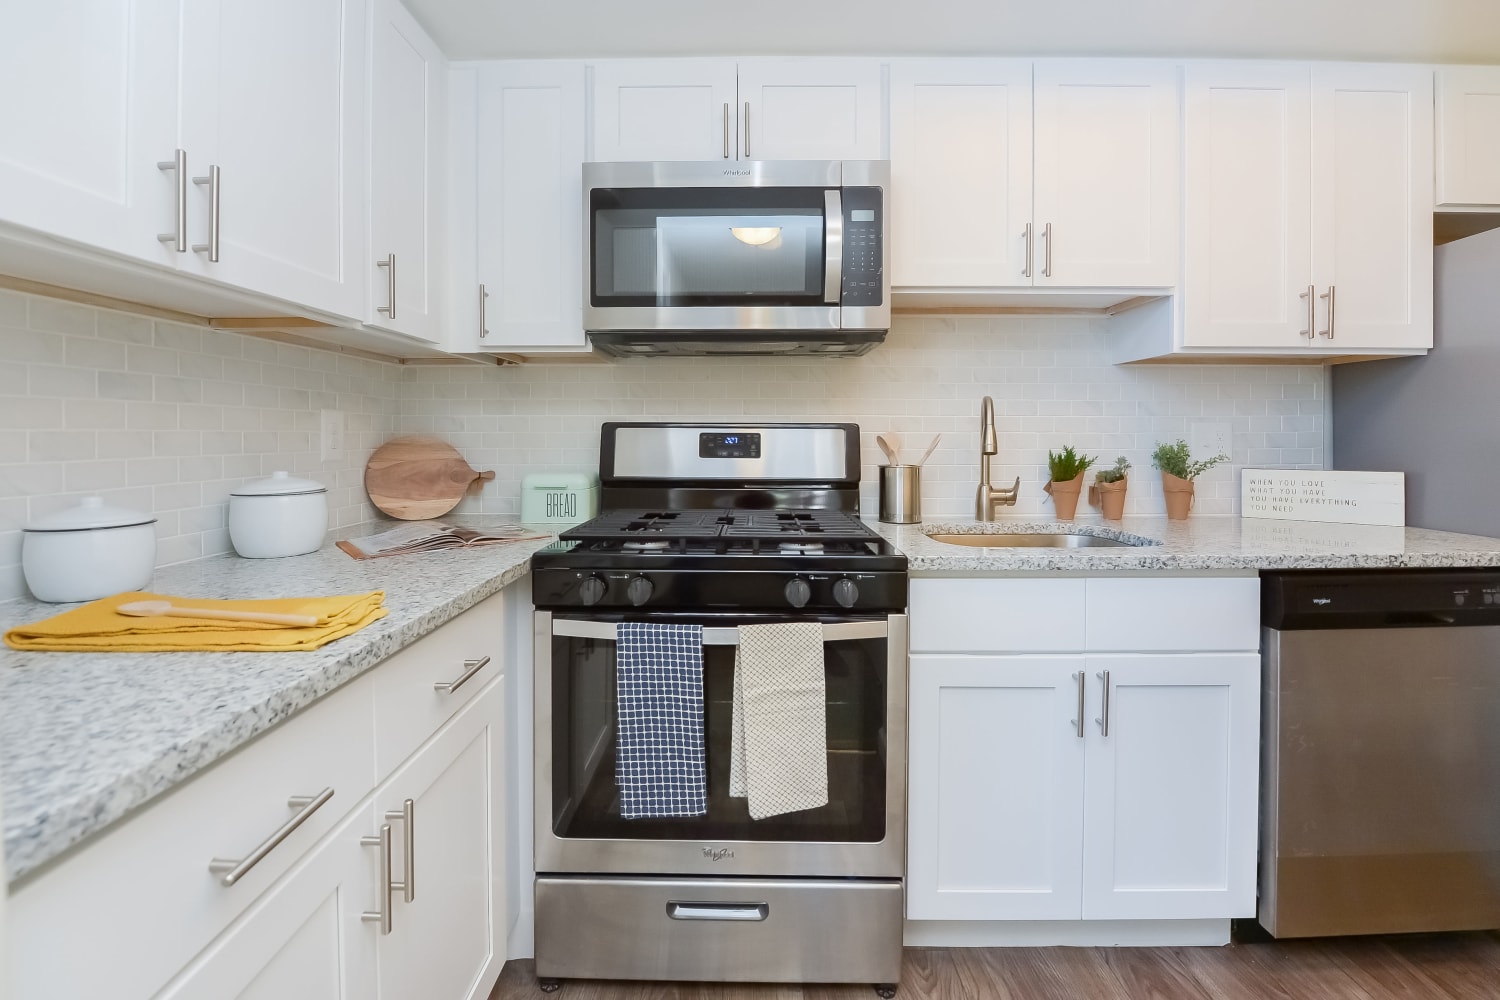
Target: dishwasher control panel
(1394, 598)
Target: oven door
(860, 832)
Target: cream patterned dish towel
(778, 756)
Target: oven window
(707, 246)
(586, 801)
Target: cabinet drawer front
(1182, 613)
(1000, 616)
(408, 707)
(140, 900)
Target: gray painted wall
(1436, 418)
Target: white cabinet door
(449, 940)
(273, 96)
(1106, 193)
(811, 109)
(1468, 136)
(961, 175)
(1171, 788)
(1247, 241)
(530, 219)
(89, 111)
(305, 938)
(1372, 201)
(665, 109)
(407, 129)
(996, 806)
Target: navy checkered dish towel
(659, 759)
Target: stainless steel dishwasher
(1380, 767)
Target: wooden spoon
(891, 448)
(930, 448)
(154, 609)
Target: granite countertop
(1199, 544)
(85, 738)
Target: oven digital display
(742, 445)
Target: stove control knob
(639, 590)
(845, 592)
(798, 593)
(592, 590)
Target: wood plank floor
(1414, 967)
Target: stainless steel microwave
(763, 257)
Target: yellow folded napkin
(98, 627)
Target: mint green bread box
(558, 500)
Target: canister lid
(280, 484)
(92, 512)
(559, 481)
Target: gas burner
(794, 548)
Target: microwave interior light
(755, 236)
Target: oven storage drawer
(741, 930)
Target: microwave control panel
(864, 270)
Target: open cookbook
(424, 536)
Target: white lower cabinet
(1086, 784)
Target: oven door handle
(838, 632)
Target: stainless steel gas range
(720, 526)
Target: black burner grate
(721, 528)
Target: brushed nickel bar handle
(575, 629)
(484, 330)
(1104, 720)
(1082, 685)
(1308, 295)
(212, 246)
(471, 667)
(747, 130)
(381, 916)
(1330, 331)
(681, 909)
(833, 253)
(231, 870)
(390, 285)
(726, 130)
(1047, 266)
(407, 814)
(1026, 271)
(178, 237)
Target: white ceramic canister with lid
(87, 552)
(279, 516)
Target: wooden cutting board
(417, 477)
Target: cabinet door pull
(178, 236)
(1026, 235)
(390, 285)
(1329, 296)
(407, 815)
(1047, 260)
(1308, 295)
(231, 870)
(471, 667)
(1103, 720)
(1082, 684)
(747, 130)
(726, 130)
(382, 916)
(212, 246)
(484, 328)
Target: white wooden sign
(1341, 497)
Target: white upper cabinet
(1107, 190)
(1468, 137)
(529, 219)
(407, 133)
(665, 109)
(717, 109)
(1011, 174)
(961, 177)
(1308, 208)
(89, 112)
(273, 111)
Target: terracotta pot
(1179, 495)
(1109, 498)
(1065, 496)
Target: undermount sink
(1031, 540)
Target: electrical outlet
(331, 435)
(1208, 438)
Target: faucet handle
(1008, 497)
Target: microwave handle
(833, 246)
(832, 632)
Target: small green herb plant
(1176, 460)
(1115, 474)
(1067, 465)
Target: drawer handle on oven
(576, 629)
(231, 871)
(683, 910)
(471, 667)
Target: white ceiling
(1413, 30)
